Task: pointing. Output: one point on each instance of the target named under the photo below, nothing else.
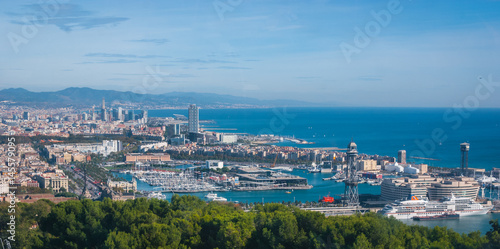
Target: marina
(175, 182)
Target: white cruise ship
(407, 209)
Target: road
(93, 188)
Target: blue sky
(428, 54)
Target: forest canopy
(189, 222)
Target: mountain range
(85, 97)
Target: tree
(127, 133)
(362, 242)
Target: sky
(406, 53)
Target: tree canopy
(189, 222)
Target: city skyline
(417, 54)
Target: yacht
(156, 195)
(314, 168)
(214, 197)
(290, 169)
(486, 179)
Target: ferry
(214, 197)
(407, 209)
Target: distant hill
(84, 97)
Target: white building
(228, 139)
(105, 148)
(109, 146)
(411, 170)
(400, 188)
(214, 164)
(4, 187)
(395, 167)
(126, 186)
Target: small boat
(314, 169)
(214, 197)
(438, 217)
(289, 169)
(288, 192)
(327, 199)
(156, 195)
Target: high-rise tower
(193, 119)
(351, 197)
(464, 147)
(119, 115)
(145, 116)
(104, 115)
(402, 156)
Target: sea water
(434, 133)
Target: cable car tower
(351, 196)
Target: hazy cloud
(229, 67)
(109, 61)
(155, 41)
(369, 78)
(125, 55)
(67, 17)
(307, 77)
(201, 61)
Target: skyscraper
(402, 156)
(104, 116)
(131, 115)
(120, 114)
(193, 120)
(145, 116)
(464, 148)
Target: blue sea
(423, 132)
